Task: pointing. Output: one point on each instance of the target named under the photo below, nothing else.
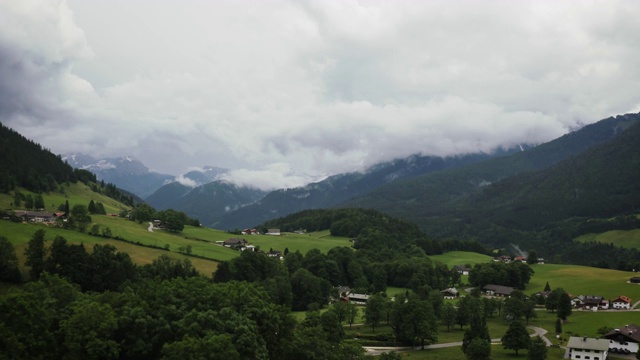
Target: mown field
(583, 280)
(453, 258)
(629, 239)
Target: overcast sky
(287, 91)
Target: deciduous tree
(516, 337)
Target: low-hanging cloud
(287, 92)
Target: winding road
(377, 350)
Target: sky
(287, 92)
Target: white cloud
(186, 181)
(280, 88)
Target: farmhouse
(497, 290)
(624, 339)
(36, 216)
(275, 232)
(621, 302)
(343, 291)
(463, 270)
(450, 293)
(590, 302)
(275, 253)
(587, 348)
(234, 242)
(358, 299)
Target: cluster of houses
(623, 340)
(274, 232)
(243, 245)
(595, 302)
(38, 216)
(508, 259)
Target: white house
(624, 339)
(587, 348)
(275, 232)
(621, 302)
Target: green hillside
(629, 239)
(584, 280)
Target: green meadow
(453, 258)
(583, 280)
(74, 193)
(629, 239)
(303, 242)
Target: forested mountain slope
(338, 188)
(27, 164)
(439, 202)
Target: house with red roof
(621, 302)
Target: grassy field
(453, 258)
(583, 280)
(305, 242)
(74, 193)
(629, 239)
(201, 240)
(455, 353)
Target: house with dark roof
(497, 290)
(450, 293)
(590, 302)
(358, 299)
(588, 348)
(635, 280)
(624, 339)
(36, 216)
(462, 270)
(234, 242)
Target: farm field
(629, 239)
(583, 280)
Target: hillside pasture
(583, 280)
(453, 258)
(303, 242)
(76, 194)
(629, 239)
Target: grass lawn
(629, 239)
(455, 353)
(583, 280)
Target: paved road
(377, 350)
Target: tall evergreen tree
(8, 262)
(477, 325)
(36, 253)
(537, 349)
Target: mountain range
(126, 172)
(438, 194)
